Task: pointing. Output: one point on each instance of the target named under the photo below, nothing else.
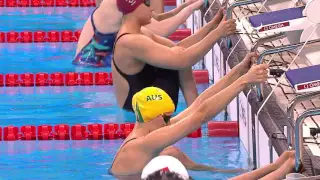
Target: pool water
(71, 105)
(75, 105)
(49, 57)
(91, 159)
(48, 18)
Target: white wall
(232, 108)
(245, 124)
(264, 152)
(208, 60)
(217, 63)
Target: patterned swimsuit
(98, 52)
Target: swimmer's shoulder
(134, 41)
(146, 32)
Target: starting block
(304, 79)
(304, 18)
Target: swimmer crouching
(155, 131)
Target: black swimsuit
(165, 79)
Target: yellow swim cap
(151, 102)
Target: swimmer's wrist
(218, 31)
(242, 81)
(186, 4)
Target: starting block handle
(273, 51)
(229, 13)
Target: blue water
(71, 105)
(75, 105)
(40, 57)
(91, 159)
(58, 18)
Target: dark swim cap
(128, 6)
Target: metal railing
(298, 132)
(266, 39)
(290, 109)
(230, 9)
(274, 51)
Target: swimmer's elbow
(181, 61)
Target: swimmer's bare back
(124, 66)
(135, 158)
(106, 22)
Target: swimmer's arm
(144, 49)
(269, 172)
(159, 139)
(156, 38)
(169, 14)
(202, 32)
(226, 81)
(188, 85)
(168, 26)
(190, 164)
(257, 174)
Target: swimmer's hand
(218, 17)
(256, 74)
(284, 157)
(226, 27)
(244, 66)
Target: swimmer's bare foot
(284, 157)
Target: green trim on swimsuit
(91, 48)
(99, 46)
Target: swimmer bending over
(142, 58)
(155, 133)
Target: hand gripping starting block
(304, 79)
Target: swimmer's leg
(188, 85)
(191, 165)
(277, 169)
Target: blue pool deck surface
(76, 105)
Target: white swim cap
(168, 163)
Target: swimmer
(142, 58)
(284, 165)
(168, 167)
(155, 131)
(157, 5)
(97, 38)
